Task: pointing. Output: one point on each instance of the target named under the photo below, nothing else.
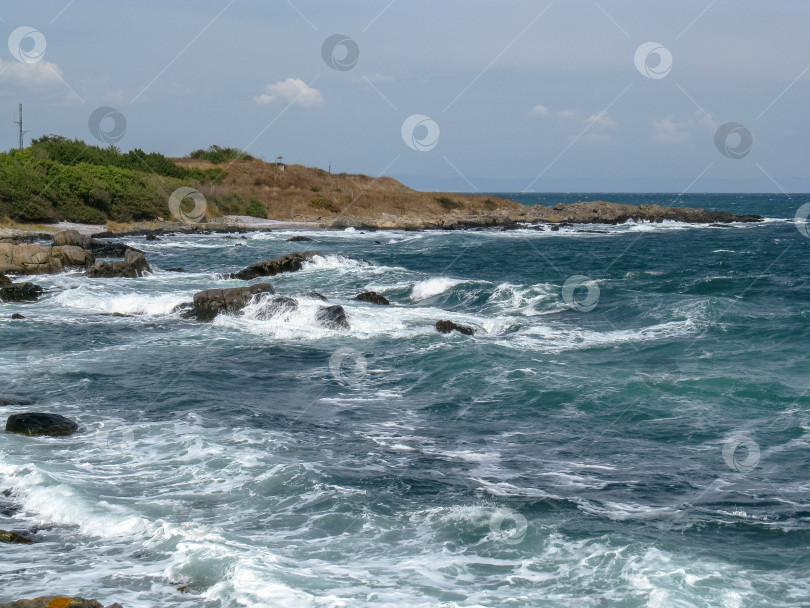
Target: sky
(472, 95)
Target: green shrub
(489, 205)
(256, 209)
(315, 189)
(218, 155)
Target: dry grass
(9, 224)
(287, 194)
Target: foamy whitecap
(432, 287)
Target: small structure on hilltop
(280, 165)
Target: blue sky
(520, 95)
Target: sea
(627, 427)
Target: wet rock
(186, 310)
(276, 306)
(152, 237)
(20, 292)
(133, 265)
(320, 296)
(4, 280)
(299, 239)
(446, 327)
(373, 298)
(110, 249)
(178, 269)
(39, 423)
(333, 317)
(11, 400)
(58, 601)
(17, 315)
(208, 304)
(13, 537)
(285, 263)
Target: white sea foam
(433, 287)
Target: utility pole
(19, 122)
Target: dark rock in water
(14, 401)
(58, 601)
(285, 263)
(38, 423)
(320, 296)
(20, 292)
(116, 314)
(17, 315)
(13, 537)
(333, 317)
(4, 280)
(152, 237)
(276, 306)
(445, 327)
(378, 242)
(178, 269)
(373, 297)
(299, 239)
(208, 304)
(134, 265)
(110, 249)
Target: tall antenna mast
(19, 122)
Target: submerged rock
(13, 537)
(320, 296)
(373, 298)
(39, 423)
(446, 327)
(333, 317)
(11, 400)
(208, 304)
(276, 306)
(58, 601)
(4, 280)
(285, 263)
(299, 239)
(20, 292)
(17, 315)
(133, 265)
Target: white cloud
(292, 90)
(603, 119)
(539, 111)
(42, 74)
(668, 130)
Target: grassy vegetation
(320, 202)
(256, 209)
(61, 179)
(218, 155)
(448, 203)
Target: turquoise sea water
(637, 436)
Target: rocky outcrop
(373, 298)
(333, 317)
(133, 265)
(71, 237)
(4, 280)
(285, 263)
(208, 304)
(299, 239)
(446, 327)
(58, 601)
(20, 292)
(25, 258)
(600, 212)
(13, 537)
(277, 305)
(38, 423)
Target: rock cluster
(132, 266)
(211, 302)
(285, 263)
